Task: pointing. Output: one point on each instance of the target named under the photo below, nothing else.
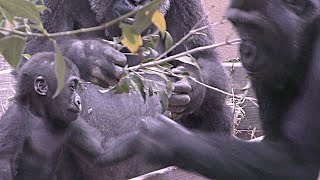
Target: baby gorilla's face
(67, 106)
(64, 108)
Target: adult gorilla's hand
(97, 61)
(161, 140)
(187, 95)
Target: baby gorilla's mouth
(74, 109)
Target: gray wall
(215, 9)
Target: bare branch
(78, 31)
(172, 58)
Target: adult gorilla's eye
(297, 6)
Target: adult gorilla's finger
(109, 69)
(182, 86)
(179, 100)
(115, 56)
(102, 78)
(176, 109)
(98, 82)
(177, 70)
(118, 72)
(176, 116)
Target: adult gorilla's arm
(295, 156)
(207, 108)
(87, 142)
(224, 157)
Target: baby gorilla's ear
(40, 86)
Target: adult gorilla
(280, 51)
(99, 63)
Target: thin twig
(171, 58)
(83, 30)
(205, 85)
(190, 33)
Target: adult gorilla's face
(107, 10)
(273, 32)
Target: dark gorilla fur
(37, 129)
(99, 63)
(280, 51)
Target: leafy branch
(13, 43)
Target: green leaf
(151, 92)
(27, 56)
(167, 65)
(11, 48)
(144, 16)
(138, 84)
(188, 60)
(168, 41)
(147, 60)
(130, 39)
(164, 100)
(20, 8)
(155, 70)
(159, 21)
(7, 15)
(41, 8)
(59, 69)
(123, 86)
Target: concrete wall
(216, 9)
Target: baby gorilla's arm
(87, 141)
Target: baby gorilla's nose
(77, 102)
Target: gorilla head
(269, 38)
(278, 36)
(37, 84)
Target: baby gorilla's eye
(73, 85)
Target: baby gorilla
(37, 129)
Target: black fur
(280, 51)
(99, 63)
(37, 130)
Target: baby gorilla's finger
(179, 100)
(182, 86)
